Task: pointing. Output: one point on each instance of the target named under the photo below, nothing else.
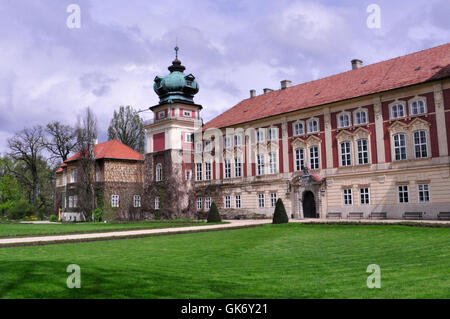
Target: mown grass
(21, 230)
(271, 261)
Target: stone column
(328, 140)
(440, 119)
(284, 136)
(381, 156)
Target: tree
(61, 140)
(86, 132)
(25, 149)
(213, 214)
(128, 127)
(279, 215)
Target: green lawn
(21, 230)
(272, 261)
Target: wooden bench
(413, 215)
(334, 215)
(378, 215)
(444, 215)
(356, 215)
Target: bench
(444, 215)
(378, 215)
(413, 215)
(356, 215)
(334, 215)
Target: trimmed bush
(279, 215)
(98, 214)
(213, 214)
(53, 218)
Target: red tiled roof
(112, 149)
(415, 68)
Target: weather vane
(176, 49)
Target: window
(237, 140)
(226, 141)
(238, 201)
(208, 146)
(273, 134)
(70, 201)
(273, 163)
(237, 167)
(273, 199)
(260, 135)
(208, 171)
(158, 172)
(261, 201)
(98, 175)
(365, 195)
(137, 201)
(299, 159)
(187, 113)
(299, 128)
(313, 126)
(189, 137)
(260, 166)
(314, 157)
(348, 200)
(161, 114)
(198, 171)
(199, 203)
(115, 200)
(360, 117)
(188, 175)
(344, 120)
(75, 201)
(403, 194)
(227, 202)
(418, 107)
(420, 144)
(227, 166)
(346, 154)
(397, 110)
(208, 202)
(73, 176)
(400, 146)
(363, 151)
(199, 147)
(424, 193)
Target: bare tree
(61, 140)
(128, 127)
(86, 133)
(25, 148)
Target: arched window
(313, 126)
(344, 120)
(398, 110)
(360, 117)
(418, 107)
(158, 172)
(299, 128)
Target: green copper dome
(176, 86)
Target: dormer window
(344, 120)
(360, 117)
(418, 107)
(313, 126)
(187, 113)
(161, 114)
(188, 83)
(398, 110)
(299, 128)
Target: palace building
(372, 142)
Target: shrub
(213, 214)
(19, 209)
(53, 218)
(279, 215)
(98, 214)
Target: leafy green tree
(213, 214)
(127, 127)
(279, 215)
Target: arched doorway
(309, 205)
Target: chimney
(266, 90)
(252, 93)
(356, 64)
(285, 84)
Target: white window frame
(161, 115)
(73, 176)
(394, 110)
(260, 164)
(416, 101)
(273, 199)
(115, 200)
(423, 192)
(399, 148)
(272, 134)
(208, 146)
(227, 141)
(364, 195)
(227, 168)
(75, 200)
(347, 196)
(187, 113)
(238, 202)
(199, 203)
(402, 190)
(188, 137)
(310, 127)
(227, 201)
(299, 159)
(207, 202)
(208, 171)
(346, 153)
(357, 119)
(344, 120)
(198, 172)
(314, 158)
(237, 140)
(362, 153)
(158, 173)
(188, 174)
(423, 153)
(261, 201)
(238, 167)
(273, 162)
(260, 135)
(137, 201)
(296, 128)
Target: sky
(50, 72)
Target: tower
(168, 170)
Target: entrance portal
(309, 205)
